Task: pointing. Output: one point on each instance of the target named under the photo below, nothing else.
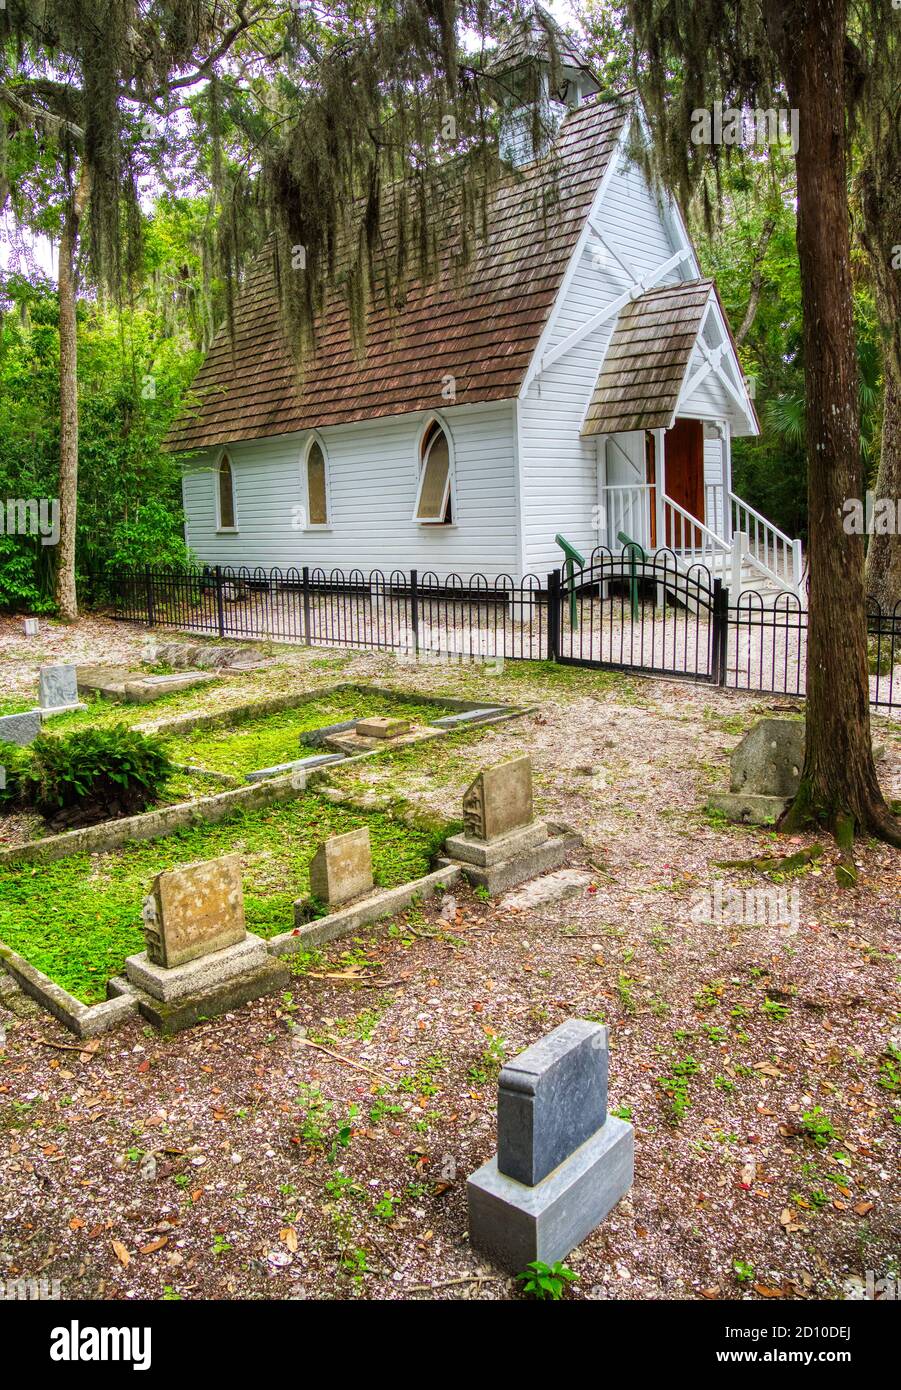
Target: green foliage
(132, 378)
(15, 762)
(818, 1127)
(102, 767)
(98, 897)
(675, 1086)
(546, 1282)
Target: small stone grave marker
(194, 910)
(58, 687)
(561, 1162)
(32, 627)
(499, 800)
(341, 868)
(382, 726)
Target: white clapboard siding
(373, 470)
(559, 469)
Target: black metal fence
(649, 615)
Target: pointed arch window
(225, 496)
(434, 502)
(317, 485)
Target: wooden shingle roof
(645, 364)
(481, 332)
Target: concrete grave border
(164, 820)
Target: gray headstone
(551, 1099)
(769, 759)
(32, 627)
(341, 868)
(499, 800)
(58, 686)
(20, 729)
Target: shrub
(95, 774)
(14, 761)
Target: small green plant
(774, 1010)
(15, 762)
(622, 1112)
(546, 1282)
(385, 1208)
(482, 893)
(818, 1127)
(675, 1086)
(889, 1077)
(94, 774)
(744, 1271)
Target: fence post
(720, 640)
(553, 616)
(148, 589)
(414, 610)
(306, 605)
(220, 610)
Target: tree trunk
(878, 187)
(838, 784)
(884, 550)
(66, 598)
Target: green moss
(276, 738)
(77, 919)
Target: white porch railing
(732, 540)
(769, 550)
(692, 540)
(626, 508)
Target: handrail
(769, 549)
(717, 542)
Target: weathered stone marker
(764, 772)
(31, 627)
(561, 1162)
(58, 687)
(499, 800)
(194, 910)
(20, 729)
(200, 960)
(501, 845)
(341, 868)
(382, 726)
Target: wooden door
(684, 456)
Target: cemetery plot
(77, 919)
(276, 739)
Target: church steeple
(540, 75)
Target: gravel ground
(210, 1166)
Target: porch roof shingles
(645, 364)
(481, 331)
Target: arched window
(226, 496)
(317, 486)
(433, 500)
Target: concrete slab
(174, 1015)
(486, 853)
(195, 976)
(514, 1224)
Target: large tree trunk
(838, 784)
(66, 598)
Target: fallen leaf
(861, 1208)
(288, 1236)
(154, 1245)
(121, 1253)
